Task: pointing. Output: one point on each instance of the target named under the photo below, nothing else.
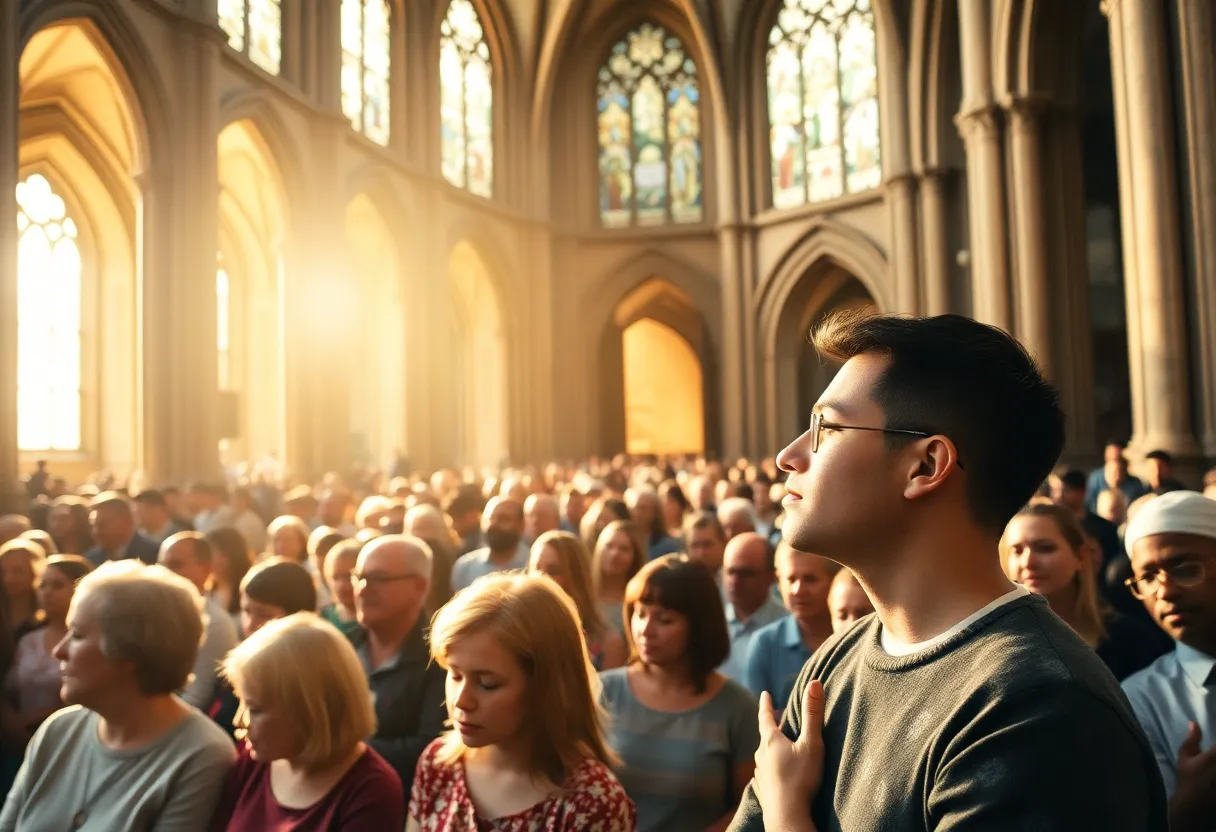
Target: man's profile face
(834, 495)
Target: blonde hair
(303, 666)
(533, 619)
(1089, 611)
(601, 544)
(576, 563)
(148, 616)
(288, 521)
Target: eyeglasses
(377, 579)
(818, 424)
(1185, 575)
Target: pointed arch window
(255, 28)
(649, 125)
(822, 72)
(48, 320)
(466, 100)
(365, 66)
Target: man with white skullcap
(1172, 545)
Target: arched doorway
(800, 375)
(78, 281)
(249, 294)
(657, 374)
(377, 384)
(479, 361)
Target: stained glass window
(823, 101)
(649, 132)
(466, 101)
(365, 66)
(48, 320)
(254, 27)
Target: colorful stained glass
(466, 101)
(256, 28)
(823, 101)
(649, 130)
(48, 320)
(366, 59)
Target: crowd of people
(908, 619)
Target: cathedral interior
(331, 233)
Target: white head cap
(1178, 512)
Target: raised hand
(1193, 805)
(788, 773)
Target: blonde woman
(527, 749)
(619, 555)
(563, 557)
(306, 712)
(287, 537)
(1045, 550)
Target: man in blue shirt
(1113, 474)
(778, 651)
(1172, 545)
(747, 571)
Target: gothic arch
(131, 64)
(1034, 49)
(255, 106)
(934, 85)
(478, 234)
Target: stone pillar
(901, 207)
(1033, 287)
(178, 234)
(11, 498)
(935, 240)
(979, 123)
(1155, 294)
(1198, 28)
(732, 393)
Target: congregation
(911, 618)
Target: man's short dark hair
(1161, 455)
(966, 380)
(467, 498)
(281, 583)
(1074, 479)
(200, 545)
(689, 588)
(112, 501)
(151, 497)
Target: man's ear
(935, 459)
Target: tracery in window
(254, 27)
(48, 320)
(466, 100)
(365, 67)
(823, 101)
(649, 132)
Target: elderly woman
(307, 713)
(128, 754)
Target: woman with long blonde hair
(527, 748)
(620, 553)
(1045, 549)
(564, 558)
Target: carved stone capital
(981, 123)
(1026, 113)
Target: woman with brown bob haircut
(671, 710)
(527, 750)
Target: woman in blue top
(686, 734)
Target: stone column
(1033, 286)
(935, 240)
(1155, 294)
(10, 55)
(1198, 29)
(901, 207)
(178, 238)
(732, 393)
(979, 123)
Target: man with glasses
(1172, 545)
(391, 578)
(747, 578)
(963, 703)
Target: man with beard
(1172, 544)
(964, 703)
(502, 525)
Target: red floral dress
(591, 801)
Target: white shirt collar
(895, 647)
(1196, 665)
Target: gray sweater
(1011, 724)
(170, 785)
